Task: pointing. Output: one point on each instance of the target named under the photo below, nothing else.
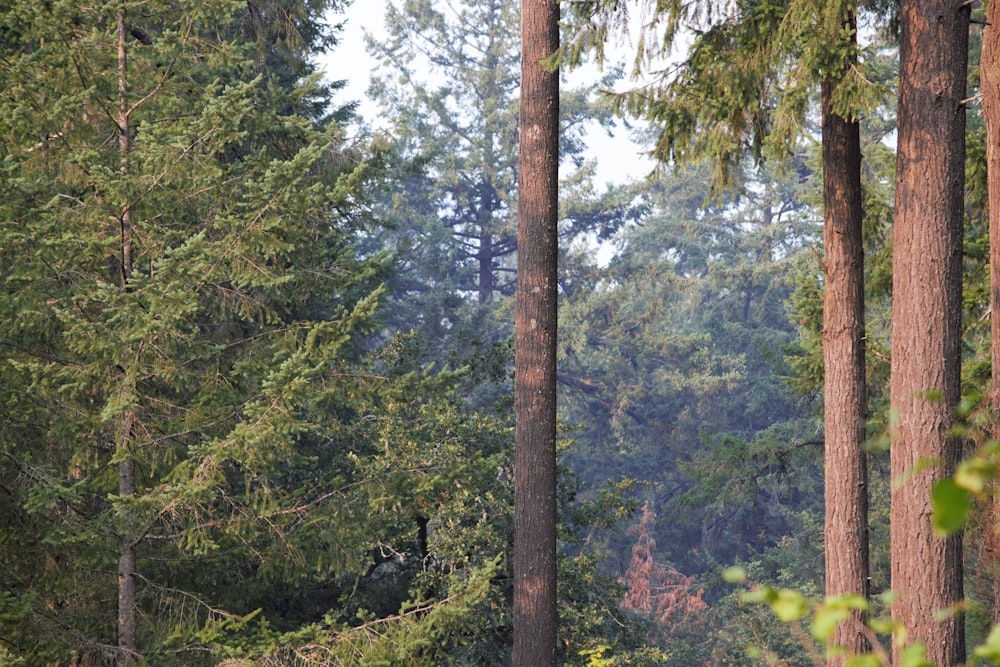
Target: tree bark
(535, 610)
(844, 393)
(125, 428)
(989, 77)
(926, 320)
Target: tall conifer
(844, 392)
(180, 291)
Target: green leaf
(826, 620)
(834, 610)
(974, 473)
(734, 575)
(790, 605)
(883, 626)
(914, 655)
(951, 505)
(990, 649)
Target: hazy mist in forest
(619, 159)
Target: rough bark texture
(926, 319)
(989, 77)
(846, 464)
(535, 612)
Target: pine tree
(845, 406)
(447, 91)
(664, 594)
(180, 301)
(669, 352)
(472, 155)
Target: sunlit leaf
(951, 505)
(734, 575)
(834, 610)
(914, 655)
(883, 626)
(790, 605)
(974, 473)
(990, 649)
(826, 620)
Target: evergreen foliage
(190, 295)
(672, 366)
(448, 83)
(272, 362)
(181, 296)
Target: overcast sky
(350, 61)
(619, 160)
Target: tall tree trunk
(125, 428)
(845, 407)
(535, 610)
(486, 191)
(989, 77)
(926, 319)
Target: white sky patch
(619, 159)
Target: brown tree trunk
(486, 192)
(926, 320)
(845, 407)
(125, 428)
(535, 610)
(989, 76)
(485, 258)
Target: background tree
(672, 373)
(463, 129)
(665, 594)
(170, 222)
(707, 109)
(448, 87)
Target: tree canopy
(258, 359)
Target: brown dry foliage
(664, 594)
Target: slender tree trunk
(127, 605)
(535, 610)
(124, 148)
(845, 407)
(487, 192)
(485, 259)
(926, 320)
(989, 76)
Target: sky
(618, 158)
(361, 17)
